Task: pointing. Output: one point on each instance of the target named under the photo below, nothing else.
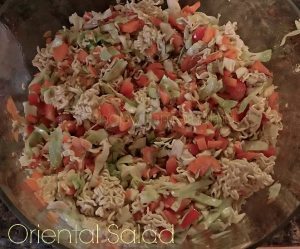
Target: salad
(147, 117)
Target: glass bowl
(262, 24)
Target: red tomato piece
(50, 112)
(60, 52)
(238, 92)
(171, 165)
(198, 34)
(201, 143)
(191, 217)
(132, 26)
(193, 149)
(127, 88)
(149, 154)
(164, 96)
(33, 99)
(143, 81)
(170, 216)
(202, 163)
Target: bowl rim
(24, 220)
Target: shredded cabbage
(55, 147)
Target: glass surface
(262, 24)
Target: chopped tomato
(154, 205)
(226, 41)
(107, 110)
(183, 205)
(188, 62)
(177, 42)
(125, 124)
(166, 236)
(217, 144)
(258, 66)
(193, 149)
(231, 53)
(205, 129)
(213, 57)
(149, 154)
(87, 16)
(248, 155)
(173, 22)
(69, 126)
(187, 105)
(60, 52)
(33, 99)
(161, 116)
(152, 50)
(191, 217)
(229, 81)
(173, 179)
(169, 201)
(157, 68)
(82, 54)
(273, 101)
(238, 92)
(164, 96)
(132, 26)
(270, 152)
(31, 119)
(50, 112)
(31, 184)
(92, 71)
(143, 81)
(80, 131)
(170, 216)
(171, 165)
(35, 88)
(198, 34)
(171, 75)
(70, 191)
(189, 10)
(62, 117)
(201, 143)
(202, 163)
(127, 88)
(137, 216)
(155, 21)
(183, 130)
(47, 84)
(153, 172)
(209, 34)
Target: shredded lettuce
(207, 200)
(210, 87)
(257, 145)
(264, 56)
(293, 33)
(55, 147)
(274, 191)
(96, 136)
(227, 104)
(138, 144)
(170, 86)
(115, 71)
(245, 102)
(149, 194)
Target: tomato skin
(198, 34)
(192, 216)
(171, 165)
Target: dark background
(288, 236)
